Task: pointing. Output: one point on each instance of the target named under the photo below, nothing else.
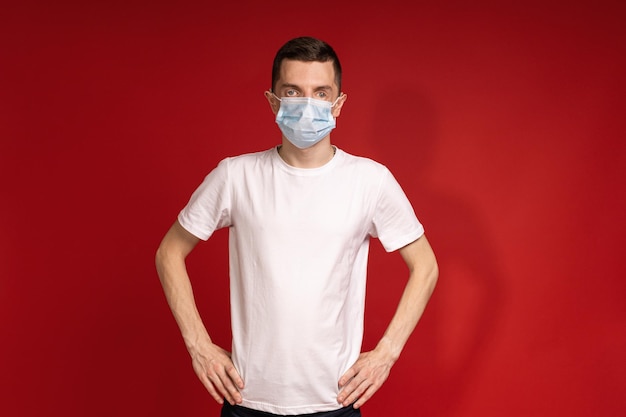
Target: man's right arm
(211, 363)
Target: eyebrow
(322, 87)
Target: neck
(314, 157)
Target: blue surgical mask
(304, 120)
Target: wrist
(389, 348)
(196, 340)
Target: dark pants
(238, 411)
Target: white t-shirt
(298, 247)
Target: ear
(337, 107)
(274, 103)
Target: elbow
(431, 277)
(160, 261)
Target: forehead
(307, 74)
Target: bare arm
(372, 368)
(211, 363)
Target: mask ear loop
(335, 102)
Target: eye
(322, 95)
(291, 93)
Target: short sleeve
(395, 223)
(209, 206)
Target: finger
(211, 389)
(221, 390)
(357, 393)
(347, 377)
(369, 392)
(234, 376)
(351, 392)
(230, 391)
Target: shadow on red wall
(457, 329)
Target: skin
(372, 368)
(307, 79)
(212, 364)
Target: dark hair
(306, 49)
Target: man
(300, 217)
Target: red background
(504, 123)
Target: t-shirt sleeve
(395, 223)
(209, 206)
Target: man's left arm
(372, 368)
